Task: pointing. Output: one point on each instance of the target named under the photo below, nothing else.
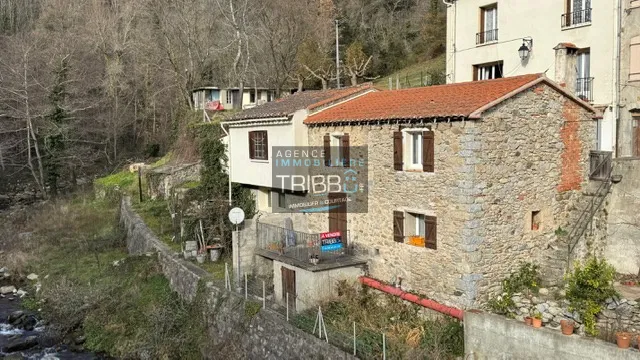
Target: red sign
(328, 235)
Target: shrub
(526, 278)
(588, 286)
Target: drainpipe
(229, 159)
(428, 303)
(617, 97)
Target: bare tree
(356, 62)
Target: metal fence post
(246, 282)
(384, 348)
(354, 338)
(264, 296)
(287, 306)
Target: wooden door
(636, 136)
(338, 215)
(289, 286)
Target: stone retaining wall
(265, 335)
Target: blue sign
(330, 241)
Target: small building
(466, 181)
(276, 244)
(214, 98)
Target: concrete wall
(540, 20)
(279, 133)
(623, 245)
(629, 90)
(266, 335)
(312, 287)
(488, 336)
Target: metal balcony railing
(576, 18)
(600, 165)
(584, 88)
(486, 36)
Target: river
(45, 347)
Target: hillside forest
(86, 86)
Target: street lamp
(525, 49)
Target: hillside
(430, 71)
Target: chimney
(566, 72)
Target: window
(634, 59)
(282, 200)
(229, 97)
(252, 97)
(418, 229)
(488, 71)
(488, 25)
(336, 150)
(413, 150)
(584, 82)
(577, 12)
(536, 220)
(258, 145)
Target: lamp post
(525, 49)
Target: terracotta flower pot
(536, 322)
(528, 320)
(567, 326)
(623, 339)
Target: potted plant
(528, 320)
(537, 320)
(623, 339)
(567, 326)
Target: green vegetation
(409, 334)
(123, 305)
(411, 75)
(588, 286)
(526, 278)
(121, 181)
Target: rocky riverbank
(23, 335)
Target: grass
(126, 310)
(155, 213)
(409, 335)
(410, 76)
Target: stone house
(465, 181)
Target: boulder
(15, 316)
(20, 344)
(4, 290)
(554, 310)
(21, 293)
(543, 291)
(542, 307)
(32, 277)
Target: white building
(572, 41)
(214, 98)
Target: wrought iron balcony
(486, 36)
(576, 18)
(584, 88)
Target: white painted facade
(228, 97)
(540, 21)
(285, 131)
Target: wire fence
(417, 79)
(316, 317)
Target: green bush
(588, 286)
(526, 278)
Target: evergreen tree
(56, 132)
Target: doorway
(338, 214)
(289, 286)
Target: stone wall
(529, 153)
(623, 245)
(163, 179)
(534, 158)
(265, 335)
(629, 90)
(488, 336)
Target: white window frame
(336, 144)
(408, 140)
(418, 227)
(229, 97)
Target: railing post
(354, 338)
(264, 295)
(246, 282)
(384, 347)
(287, 306)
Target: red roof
(467, 99)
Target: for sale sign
(331, 241)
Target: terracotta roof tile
(311, 99)
(453, 100)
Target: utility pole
(337, 55)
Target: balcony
(576, 18)
(487, 37)
(302, 249)
(584, 88)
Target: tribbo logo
(311, 180)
